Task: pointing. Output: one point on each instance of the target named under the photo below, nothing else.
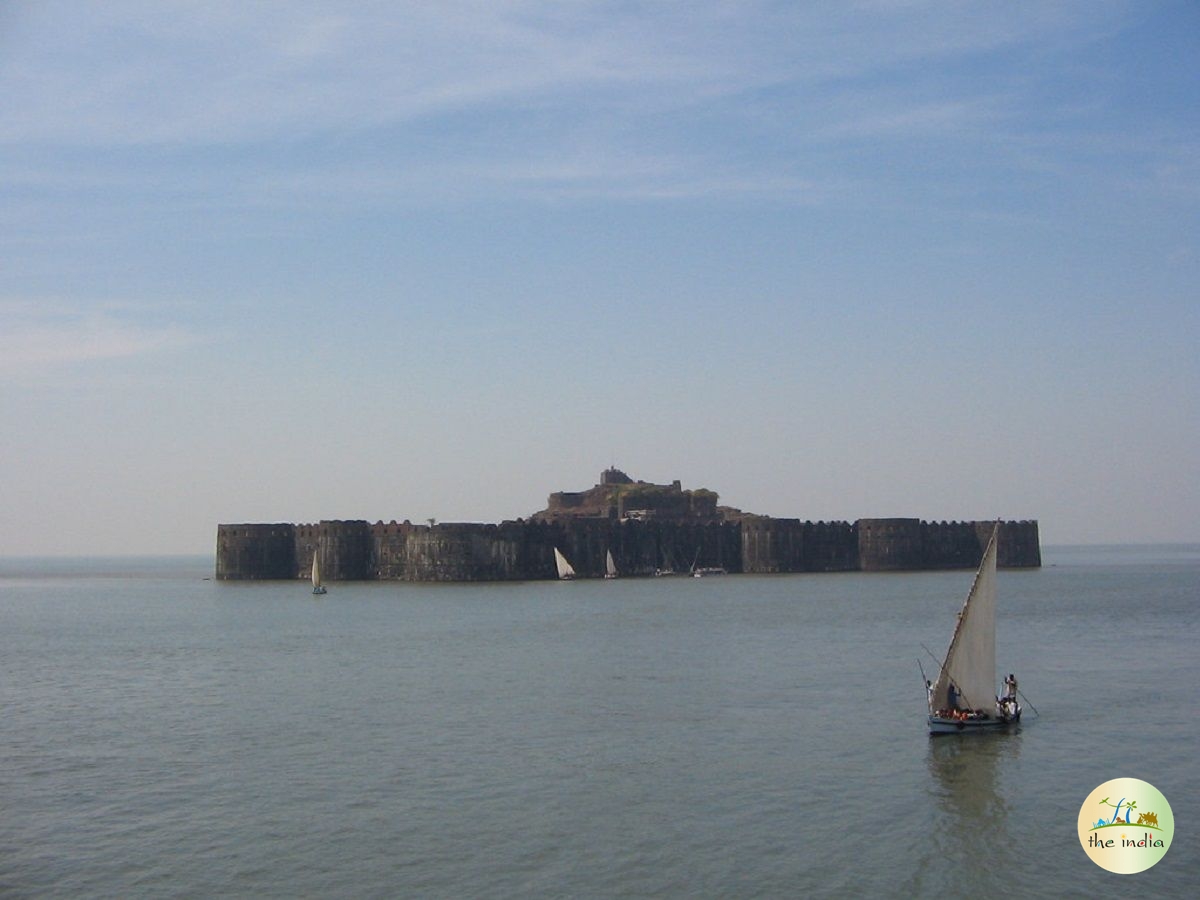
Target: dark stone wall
(901, 544)
(256, 551)
(1020, 545)
(891, 545)
(524, 550)
(308, 538)
(789, 545)
(345, 549)
(956, 545)
(450, 552)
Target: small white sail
(971, 660)
(610, 567)
(565, 571)
(318, 588)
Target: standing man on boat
(1010, 687)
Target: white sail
(610, 567)
(316, 570)
(971, 660)
(564, 568)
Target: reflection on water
(966, 848)
(965, 776)
(975, 815)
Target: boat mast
(971, 658)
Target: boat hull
(939, 725)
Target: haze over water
(164, 734)
(413, 260)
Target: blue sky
(292, 261)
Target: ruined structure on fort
(648, 527)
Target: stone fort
(650, 528)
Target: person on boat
(1010, 687)
(952, 696)
(1007, 707)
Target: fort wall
(891, 545)
(256, 551)
(789, 545)
(904, 544)
(524, 550)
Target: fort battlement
(686, 531)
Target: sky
(292, 261)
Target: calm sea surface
(166, 735)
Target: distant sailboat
(668, 567)
(318, 588)
(565, 571)
(705, 571)
(963, 696)
(610, 567)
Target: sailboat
(318, 588)
(565, 570)
(668, 567)
(963, 697)
(610, 567)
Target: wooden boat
(962, 698)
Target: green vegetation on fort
(646, 491)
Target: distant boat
(610, 567)
(565, 571)
(318, 588)
(708, 570)
(963, 697)
(668, 567)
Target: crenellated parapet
(344, 548)
(1020, 545)
(890, 545)
(524, 550)
(450, 551)
(648, 528)
(903, 544)
(788, 545)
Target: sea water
(164, 734)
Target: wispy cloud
(243, 103)
(37, 337)
(220, 72)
